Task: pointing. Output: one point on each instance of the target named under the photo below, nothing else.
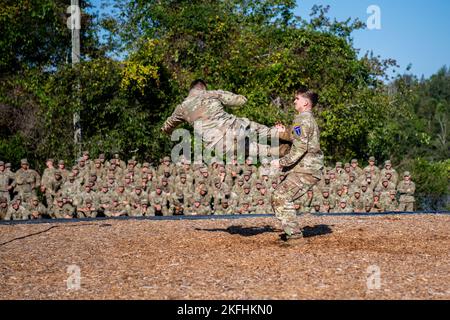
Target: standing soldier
(304, 163)
(5, 178)
(3, 207)
(26, 180)
(406, 188)
(356, 168)
(224, 208)
(47, 175)
(63, 170)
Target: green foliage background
(131, 78)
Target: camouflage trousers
(290, 189)
(258, 139)
(406, 206)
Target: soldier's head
(392, 194)
(305, 99)
(260, 200)
(183, 178)
(144, 203)
(57, 175)
(49, 163)
(104, 188)
(61, 164)
(137, 189)
(326, 192)
(115, 201)
(198, 84)
(347, 167)
(87, 187)
(343, 203)
(372, 160)
(15, 204)
(388, 164)
(316, 206)
(3, 202)
(98, 163)
(197, 203)
(357, 194)
(158, 189)
(351, 177)
(24, 164)
(164, 181)
(385, 182)
(88, 203)
(82, 162)
(338, 165)
(249, 160)
(60, 202)
(2, 166)
(364, 186)
(310, 193)
(71, 177)
(121, 188)
(354, 163)
(297, 205)
(86, 155)
(247, 188)
(376, 196)
(225, 204)
(406, 176)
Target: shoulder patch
(297, 129)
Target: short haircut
(196, 83)
(309, 94)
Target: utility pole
(74, 23)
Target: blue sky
(412, 31)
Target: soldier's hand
(280, 127)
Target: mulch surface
(229, 259)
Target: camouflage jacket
(305, 155)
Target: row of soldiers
(113, 188)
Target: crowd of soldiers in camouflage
(112, 188)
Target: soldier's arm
(228, 99)
(300, 143)
(173, 121)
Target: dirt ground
(341, 257)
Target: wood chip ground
(229, 259)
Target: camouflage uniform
(208, 107)
(224, 208)
(3, 207)
(304, 162)
(37, 209)
(5, 178)
(406, 190)
(17, 212)
(25, 181)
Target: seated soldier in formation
(87, 210)
(344, 207)
(262, 206)
(245, 207)
(377, 205)
(37, 209)
(357, 202)
(16, 211)
(224, 208)
(315, 208)
(3, 207)
(116, 209)
(199, 208)
(391, 203)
